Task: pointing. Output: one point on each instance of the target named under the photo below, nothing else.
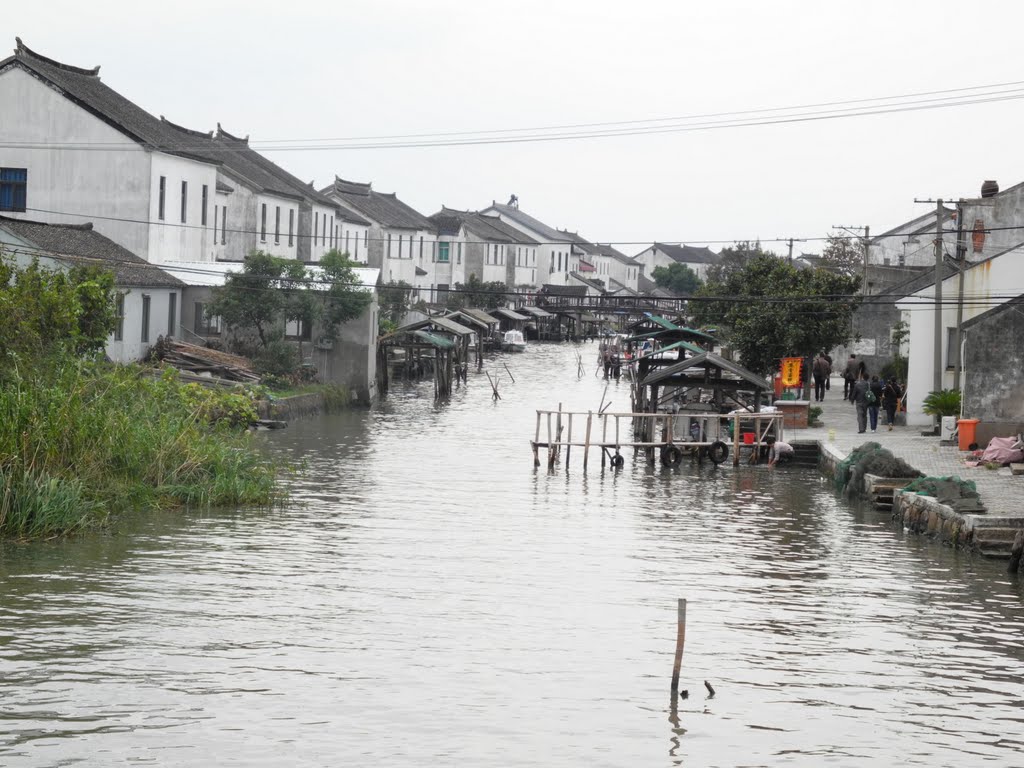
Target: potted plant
(942, 402)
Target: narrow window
(172, 314)
(263, 223)
(145, 317)
(277, 225)
(421, 247)
(162, 200)
(13, 189)
(184, 201)
(400, 239)
(119, 312)
(458, 253)
(316, 226)
(389, 245)
(346, 241)
(291, 227)
(332, 231)
(206, 200)
(216, 211)
(224, 226)
(442, 252)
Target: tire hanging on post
(671, 456)
(718, 452)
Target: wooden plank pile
(203, 363)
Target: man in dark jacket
(859, 396)
(850, 374)
(821, 369)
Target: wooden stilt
(680, 641)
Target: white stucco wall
(110, 183)
(274, 246)
(170, 239)
(132, 347)
(985, 285)
(324, 221)
(353, 241)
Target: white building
(666, 254)
(622, 270)
(148, 298)
(987, 284)
(555, 258)
(79, 151)
(494, 251)
(398, 240)
(912, 244)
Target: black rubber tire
(718, 452)
(671, 456)
(617, 461)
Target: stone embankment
(992, 533)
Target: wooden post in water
(680, 640)
(736, 440)
(568, 441)
(586, 442)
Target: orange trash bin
(967, 429)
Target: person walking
(821, 370)
(891, 395)
(850, 376)
(874, 401)
(861, 387)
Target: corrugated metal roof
(451, 326)
(480, 315)
(509, 314)
(662, 321)
(536, 311)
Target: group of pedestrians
(869, 394)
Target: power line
(864, 107)
(566, 243)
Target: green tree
(677, 278)
(345, 298)
(395, 298)
(45, 311)
(252, 298)
(732, 260)
(843, 254)
(477, 294)
(769, 309)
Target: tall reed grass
(79, 441)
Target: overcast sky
(345, 69)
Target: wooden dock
(703, 435)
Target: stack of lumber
(203, 362)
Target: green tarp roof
(433, 339)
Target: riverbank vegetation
(81, 439)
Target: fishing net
(871, 459)
(961, 495)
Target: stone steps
(994, 542)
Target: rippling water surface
(428, 599)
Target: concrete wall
(269, 245)
(171, 239)
(987, 284)
(114, 183)
(1004, 210)
(993, 379)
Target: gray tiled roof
(80, 244)
(535, 225)
(620, 257)
(687, 254)
(83, 87)
(384, 208)
(490, 228)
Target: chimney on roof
(990, 188)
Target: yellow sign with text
(791, 371)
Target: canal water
(427, 598)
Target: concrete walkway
(1001, 492)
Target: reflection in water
(428, 598)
